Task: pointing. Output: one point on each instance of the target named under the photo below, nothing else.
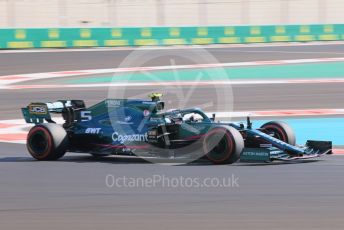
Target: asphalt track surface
(22, 63)
(72, 193)
(245, 97)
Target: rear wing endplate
(39, 112)
(36, 113)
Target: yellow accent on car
(155, 96)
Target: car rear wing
(39, 112)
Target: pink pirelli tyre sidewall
(281, 131)
(47, 142)
(223, 145)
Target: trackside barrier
(164, 36)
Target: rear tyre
(281, 131)
(223, 145)
(47, 142)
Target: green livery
(143, 128)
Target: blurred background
(122, 13)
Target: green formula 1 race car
(143, 128)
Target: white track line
(5, 81)
(186, 83)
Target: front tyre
(223, 145)
(281, 131)
(46, 142)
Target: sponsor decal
(86, 115)
(127, 121)
(146, 113)
(93, 130)
(156, 119)
(38, 109)
(113, 103)
(116, 137)
(128, 118)
(124, 123)
(257, 154)
(148, 103)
